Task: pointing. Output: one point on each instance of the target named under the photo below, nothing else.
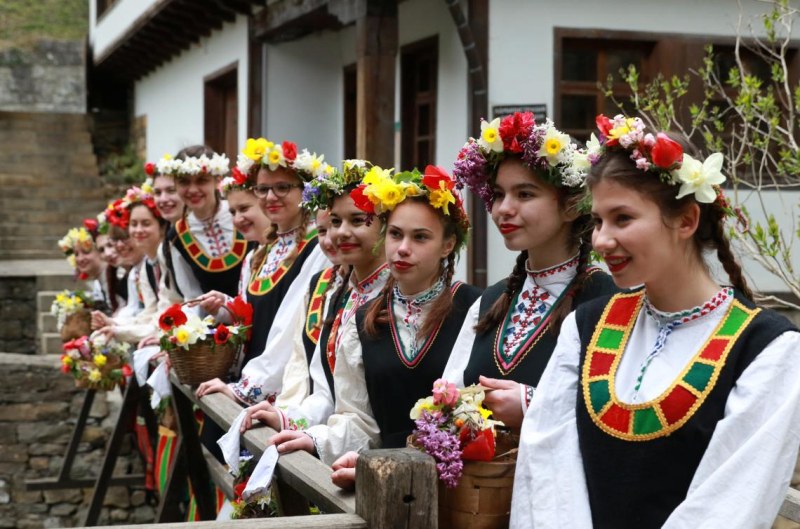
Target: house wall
(171, 97)
(522, 66)
(114, 22)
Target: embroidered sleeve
(526, 396)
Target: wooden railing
(396, 488)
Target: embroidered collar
(261, 283)
(685, 316)
(680, 401)
(420, 298)
(568, 266)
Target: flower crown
(263, 153)
(118, 212)
(541, 147)
(381, 192)
(76, 237)
(321, 190)
(217, 165)
(660, 155)
(237, 181)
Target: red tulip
(289, 150)
(666, 152)
(362, 202)
(172, 317)
(479, 449)
(150, 168)
(604, 125)
(434, 175)
(222, 334)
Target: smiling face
(88, 261)
(284, 210)
(355, 238)
(323, 236)
(248, 217)
(198, 192)
(145, 230)
(639, 245)
(107, 249)
(168, 201)
(416, 245)
(528, 213)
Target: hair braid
(377, 313)
(724, 252)
(498, 311)
(443, 304)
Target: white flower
(218, 165)
(350, 164)
(167, 165)
(699, 178)
(190, 166)
(490, 139)
(244, 163)
(554, 144)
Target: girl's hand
(211, 301)
(504, 400)
(150, 340)
(291, 440)
(214, 385)
(100, 320)
(264, 412)
(344, 471)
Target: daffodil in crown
(261, 152)
(542, 147)
(320, 191)
(658, 154)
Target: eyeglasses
(280, 190)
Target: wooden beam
(376, 52)
(326, 521)
(282, 13)
(255, 90)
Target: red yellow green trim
(315, 305)
(201, 259)
(261, 285)
(679, 402)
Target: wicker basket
(105, 384)
(77, 325)
(482, 499)
(202, 362)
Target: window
(419, 68)
(221, 119)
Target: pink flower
(445, 393)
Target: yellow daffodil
(490, 139)
(147, 188)
(553, 144)
(441, 198)
(255, 149)
(484, 412)
(100, 360)
(388, 193)
(376, 174)
(95, 375)
(182, 336)
(66, 360)
(621, 130)
(275, 158)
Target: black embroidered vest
(640, 460)
(394, 382)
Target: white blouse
(743, 476)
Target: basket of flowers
(72, 312)
(96, 362)
(201, 349)
(475, 459)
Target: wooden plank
(198, 472)
(411, 495)
(81, 483)
(299, 470)
(791, 505)
(326, 521)
(282, 13)
(222, 478)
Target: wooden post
(397, 488)
(376, 52)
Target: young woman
(279, 271)
(402, 339)
(114, 279)
(206, 251)
(358, 237)
(530, 178)
(83, 254)
(676, 404)
(146, 230)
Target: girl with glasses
(676, 404)
(530, 179)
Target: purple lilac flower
(470, 170)
(443, 445)
(309, 192)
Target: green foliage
(23, 22)
(750, 119)
(124, 167)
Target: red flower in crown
(151, 205)
(119, 215)
(222, 334)
(666, 152)
(289, 150)
(91, 225)
(434, 175)
(150, 168)
(515, 129)
(362, 201)
(239, 177)
(172, 317)
(604, 125)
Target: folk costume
(697, 412)
(520, 346)
(378, 379)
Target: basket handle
(195, 301)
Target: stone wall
(18, 314)
(50, 77)
(38, 410)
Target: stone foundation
(17, 315)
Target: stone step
(44, 121)
(44, 299)
(69, 143)
(82, 189)
(30, 230)
(58, 282)
(58, 217)
(50, 343)
(26, 254)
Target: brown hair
(377, 314)
(618, 167)
(569, 199)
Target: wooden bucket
(482, 498)
(77, 325)
(202, 362)
(104, 384)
